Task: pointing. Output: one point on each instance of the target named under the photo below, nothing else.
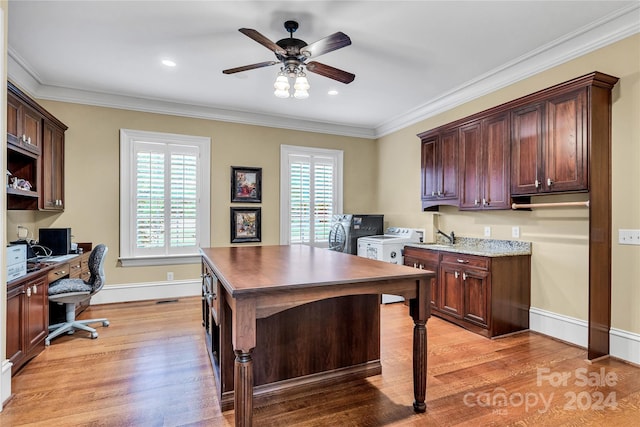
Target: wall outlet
(629, 237)
(515, 232)
(487, 231)
(169, 275)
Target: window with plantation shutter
(311, 192)
(164, 191)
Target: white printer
(16, 261)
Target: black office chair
(74, 291)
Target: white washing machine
(389, 248)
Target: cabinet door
(495, 162)
(13, 116)
(471, 170)
(448, 165)
(526, 149)
(565, 148)
(476, 296)
(52, 197)
(16, 314)
(425, 260)
(31, 129)
(451, 297)
(37, 312)
(429, 169)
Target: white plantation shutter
(165, 196)
(311, 189)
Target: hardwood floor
(150, 368)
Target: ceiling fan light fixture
(281, 83)
(301, 83)
(301, 94)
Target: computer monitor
(58, 240)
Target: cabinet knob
(433, 193)
(549, 182)
(537, 183)
(476, 202)
(35, 289)
(456, 274)
(29, 292)
(485, 202)
(440, 193)
(462, 261)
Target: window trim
(128, 137)
(285, 205)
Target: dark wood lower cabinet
(27, 319)
(487, 295)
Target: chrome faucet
(451, 238)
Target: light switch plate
(515, 232)
(629, 237)
(487, 231)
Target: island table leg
(420, 366)
(243, 389)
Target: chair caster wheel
(105, 323)
(94, 335)
(47, 343)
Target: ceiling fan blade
(327, 44)
(250, 67)
(331, 72)
(253, 34)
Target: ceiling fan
(293, 53)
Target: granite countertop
(481, 247)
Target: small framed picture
(246, 184)
(245, 225)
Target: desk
(28, 307)
(242, 285)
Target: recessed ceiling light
(333, 92)
(168, 63)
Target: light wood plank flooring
(149, 368)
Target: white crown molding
(609, 29)
(26, 80)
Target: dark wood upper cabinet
(549, 146)
(24, 125)
(526, 148)
(52, 168)
(440, 168)
(35, 153)
(538, 144)
(484, 163)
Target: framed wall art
(246, 184)
(245, 225)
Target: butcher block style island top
(279, 319)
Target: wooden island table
(281, 318)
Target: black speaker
(56, 239)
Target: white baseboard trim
(5, 382)
(565, 328)
(147, 291)
(622, 344)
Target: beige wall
(559, 236)
(92, 177)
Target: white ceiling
(412, 59)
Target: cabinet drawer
(466, 260)
(61, 271)
(75, 268)
(422, 254)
